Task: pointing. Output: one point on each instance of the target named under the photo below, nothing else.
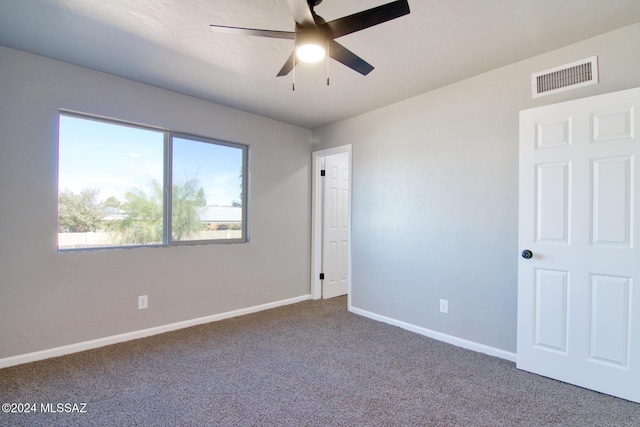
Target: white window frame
(169, 135)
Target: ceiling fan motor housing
(310, 36)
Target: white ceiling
(168, 43)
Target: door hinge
(321, 276)
(322, 172)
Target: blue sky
(115, 159)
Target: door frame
(317, 216)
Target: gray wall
(435, 193)
(49, 299)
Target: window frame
(167, 176)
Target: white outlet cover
(143, 302)
(444, 306)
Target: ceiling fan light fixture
(310, 52)
(310, 45)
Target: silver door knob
(527, 254)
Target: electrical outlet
(143, 301)
(444, 306)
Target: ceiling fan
(314, 37)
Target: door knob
(527, 254)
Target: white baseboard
(449, 339)
(114, 339)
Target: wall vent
(566, 77)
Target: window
(123, 185)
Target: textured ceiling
(168, 43)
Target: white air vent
(566, 77)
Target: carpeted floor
(308, 364)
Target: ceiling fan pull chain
(327, 62)
(293, 84)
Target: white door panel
(336, 226)
(578, 311)
(551, 309)
(553, 186)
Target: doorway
(331, 223)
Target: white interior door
(578, 309)
(335, 240)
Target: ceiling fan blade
(254, 32)
(302, 13)
(287, 67)
(348, 58)
(367, 18)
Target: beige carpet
(309, 364)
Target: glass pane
(109, 184)
(207, 191)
